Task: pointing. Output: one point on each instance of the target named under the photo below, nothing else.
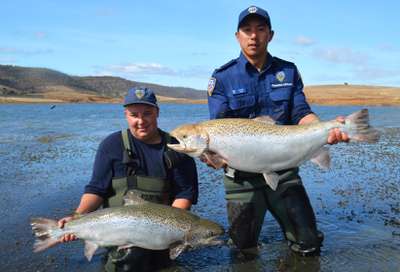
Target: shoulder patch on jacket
(211, 85)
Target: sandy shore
(321, 95)
(353, 95)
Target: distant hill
(40, 85)
(42, 82)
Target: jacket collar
(244, 63)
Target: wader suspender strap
(168, 158)
(131, 161)
(171, 159)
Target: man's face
(142, 121)
(254, 36)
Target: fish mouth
(215, 241)
(209, 241)
(212, 241)
(181, 147)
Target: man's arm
(335, 135)
(89, 203)
(309, 118)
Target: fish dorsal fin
(90, 249)
(176, 249)
(133, 198)
(272, 179)
(265, 119)
(322, 158)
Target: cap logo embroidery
(139, 93)
(280, 76)
(252, 9)
(211, 85)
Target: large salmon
(260, 146)
(139, 223)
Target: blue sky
(180, 42)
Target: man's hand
(69, 236)
(213, 160)
(335, 135)
(89, 202)
(204, 159)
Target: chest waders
(154, 189)
(248, 198)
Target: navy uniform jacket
(238, 90)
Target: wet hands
(335, 135)
(205, 159)
(69, 236)
(213, 160)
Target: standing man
(138, 159)
(255, 84)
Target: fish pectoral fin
(272, 179)
(266, 119)
(133, 198)
(214, 159)
(90, 249)
(322, 158)
(176, 249)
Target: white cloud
(105, 12)
(387, 47)
(304, 41)
(7, 61)
(143, 69)
(151, 69)
(368, 72)
(25, 52)
(341, 56)
(40, 35)
(196, 72)
(7, 50)
(200, 54)
(100, 72)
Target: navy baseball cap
(256, 11)
(140, 96)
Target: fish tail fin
(358, 128)
(46, 232)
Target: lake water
(46, 156)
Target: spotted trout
(260, 146)
(139, 223)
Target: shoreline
(314, 101)
(329, 95)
